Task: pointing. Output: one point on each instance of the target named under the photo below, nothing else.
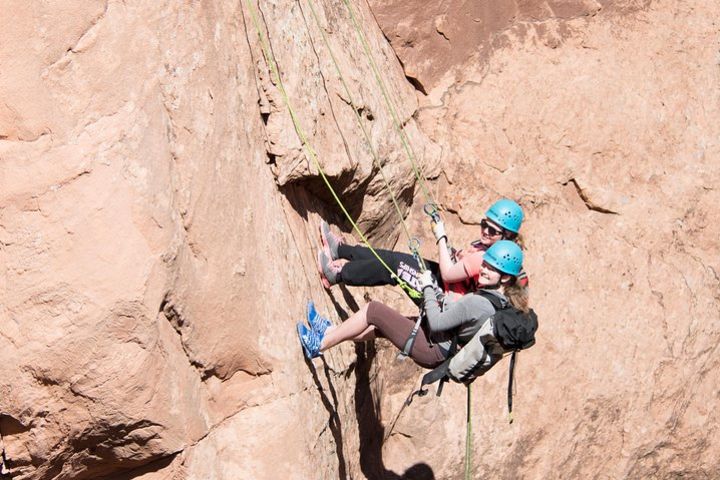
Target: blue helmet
(505, 256)
(507, 214)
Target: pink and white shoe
(329, 270)
(330, 241)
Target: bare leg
(354, 327)
(368, 334)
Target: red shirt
(472, 259)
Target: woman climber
(453, 316)
(356, 265)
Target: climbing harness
(414, 246)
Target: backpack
(513, 329)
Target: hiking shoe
(317, 323)
(329, 271)
(309, 340)
(330, 241)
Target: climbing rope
(391, 108)
(366, 135)
(270, 59)
(468, 437)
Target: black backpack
(514, 329)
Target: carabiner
(432, 210)
(414, 246)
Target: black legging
(364, 269)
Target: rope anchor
(431, 209)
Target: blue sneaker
(309, 340)
(317, 323)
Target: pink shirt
(472, 259)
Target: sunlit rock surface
(158, 231)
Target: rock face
(605, 127)
(158, 227)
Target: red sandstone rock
(158, 225)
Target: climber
(357, 266)
(454, 316)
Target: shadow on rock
(370, 428)
(332, 408)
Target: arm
(449, 271)
(454, 315)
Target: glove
(438, 229)
(426, 280)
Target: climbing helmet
(506, 256)
(507, 214)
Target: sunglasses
(492, 231)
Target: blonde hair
(518, 295)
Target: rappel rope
(393, 112)
(373, 151)
(468, 437)
(269, 58)
(413, 243)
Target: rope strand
(373, 151)
(393, 113)
(269, 58)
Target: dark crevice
(589, 203)
(369, 418)
(364, 112)
(416, 83)
(271, 158)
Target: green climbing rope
(366, 135)
(269, 58)
(468, 437)
(391, 108)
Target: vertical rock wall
(604, 124)
(158, 229)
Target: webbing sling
(468, 436)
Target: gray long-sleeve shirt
(462, 316)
